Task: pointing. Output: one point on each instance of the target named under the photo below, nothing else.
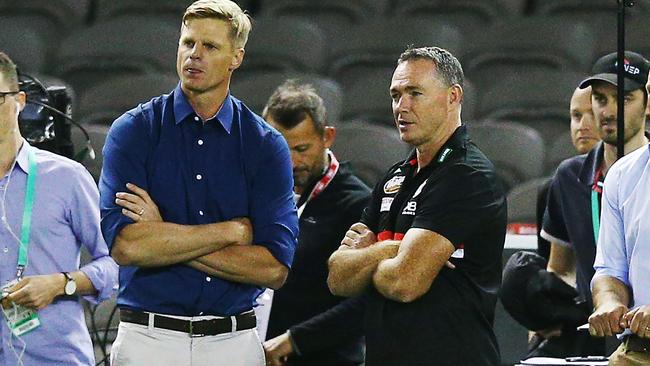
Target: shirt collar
(183, 109)
(22, 159)
(458, 140)
(592, 163)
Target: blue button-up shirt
(233, 165)
(624, 240)
(65, 218)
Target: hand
(607, 319)
(278, 349)
(638, 320)
(37, 292)
(243, 230)
(138, 206)
(359, 236)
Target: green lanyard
(27, 215)
(595, 206)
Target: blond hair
(240, 23)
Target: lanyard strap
(27, 214)
(595, 205)
(323, 182)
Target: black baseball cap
(636, 71)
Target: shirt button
(199, 177)
(200, 142)
(200, 212)
(5, 249)
(208, 279)
(196, 118)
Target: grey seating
(539, 99)
(369, 98)
(466, 14)
(105, 101)
(121, 46)
(371, 149)
(335, 17)
(517, 151)
(24, 44)
(380, 47)
(285, 45)
(170, 10)
(522, 201)
(526, 44)
(560, 148)
(255, 89)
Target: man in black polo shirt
(441, 204)
(308, 325)
(571, 220)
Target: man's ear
(329, 135)
(236, 59)
(455, 94)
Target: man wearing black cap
(572, 216)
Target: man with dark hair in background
(49, 210)
(209, 219)
(572, 217)
(308, 325)
(443, 203)
(620, 285)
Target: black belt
(197, 328)
(637, 344)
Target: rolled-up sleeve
(611, 258)
(124, 162)
(273, 210)
(84, 217)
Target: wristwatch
(70, 284)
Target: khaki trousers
(141, 345)
(625, 357)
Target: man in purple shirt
(39, 253)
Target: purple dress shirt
(65, 218)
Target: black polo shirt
(457, 196)
(568, 217)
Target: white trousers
(141, 345)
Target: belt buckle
(192, 334)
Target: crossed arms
(222, 249)
(400, 270)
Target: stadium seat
(517, 151)
(255, 90)
(23, 44)
(560, 149)
(369, 98)
(334, 17)
(538, 99)
(285, 45)
(371, 149)
(522, 201)
(380, 47)
(121, 46)
(104, 102)
(525, 44)
(465, 14)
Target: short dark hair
(447, 65)
(8, 71)
(292, 102)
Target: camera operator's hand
(37, 292)
(138, 205)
